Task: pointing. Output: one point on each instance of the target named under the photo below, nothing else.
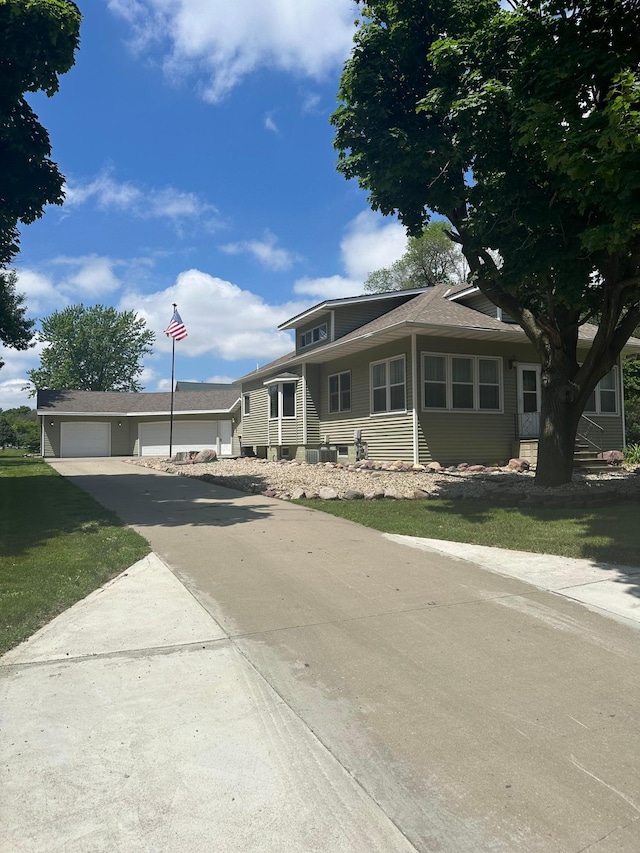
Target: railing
(589, 434)
(528, 425)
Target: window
(388, 386)
(282, 400)
(340, 392)
(313, 336)
(604, 397)
(246, 404)
(461, 382)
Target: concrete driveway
(314, 685)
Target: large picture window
(340, 392)
(461, 382)
(604, 397)
(388, 386)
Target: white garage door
(79, 438)
(187, 435)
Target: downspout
(42, 436)
(414, 391)
(304, 404)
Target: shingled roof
(132, 403)
(431, 312)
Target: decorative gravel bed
(397, 481)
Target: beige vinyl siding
(255, 426)
(451, 437)
(351, 317)
(388, 436)
(313, 397)
(479, 302)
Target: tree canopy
(520, 126)
(38, 40)
(92, 349)
(16, 331)
(432, 258)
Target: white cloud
(166, 203)
(220, 42)
(331, 287)
(95, 276)
(12, 395)
(222, 320)
(13, 375)
(270, 124)
(105, 191)
(39, 290)
(370, 243)
(266, 252)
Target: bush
(632, 454)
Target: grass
(56, 545)
(607, 534)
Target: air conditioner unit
(312, 457)
(327, 455)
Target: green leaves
(92, 349)
(38, 40)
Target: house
(437, 374)
(111, 423)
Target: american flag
(176, 328)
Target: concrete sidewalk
(298, 682)
(130, 722)
(606, 588)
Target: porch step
(585, 459)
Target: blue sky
(195, 139)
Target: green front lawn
(56, 545)
(609, 534)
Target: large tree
(520, 126)
(16, 331)
(38, 39)
(92, 349)
(431, 258)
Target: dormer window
(313, 336)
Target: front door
(529, 400)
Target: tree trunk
(559, 419)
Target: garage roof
(122, 403)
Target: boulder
(298, 494)
(353, 495)
(208, 455)
(393, 494)
(326, 493)
(518, 465)
(474, 469)
(434, 466)
(613, 457)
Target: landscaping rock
(208, 455)
(326, 493)
(518, 465)
(613, 457)
(353, 495)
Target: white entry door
(529, 400)
(85, 438)
(224, 432)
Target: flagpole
(173, 360)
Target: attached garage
(85, 438)
(128, 423)
(187, 435)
